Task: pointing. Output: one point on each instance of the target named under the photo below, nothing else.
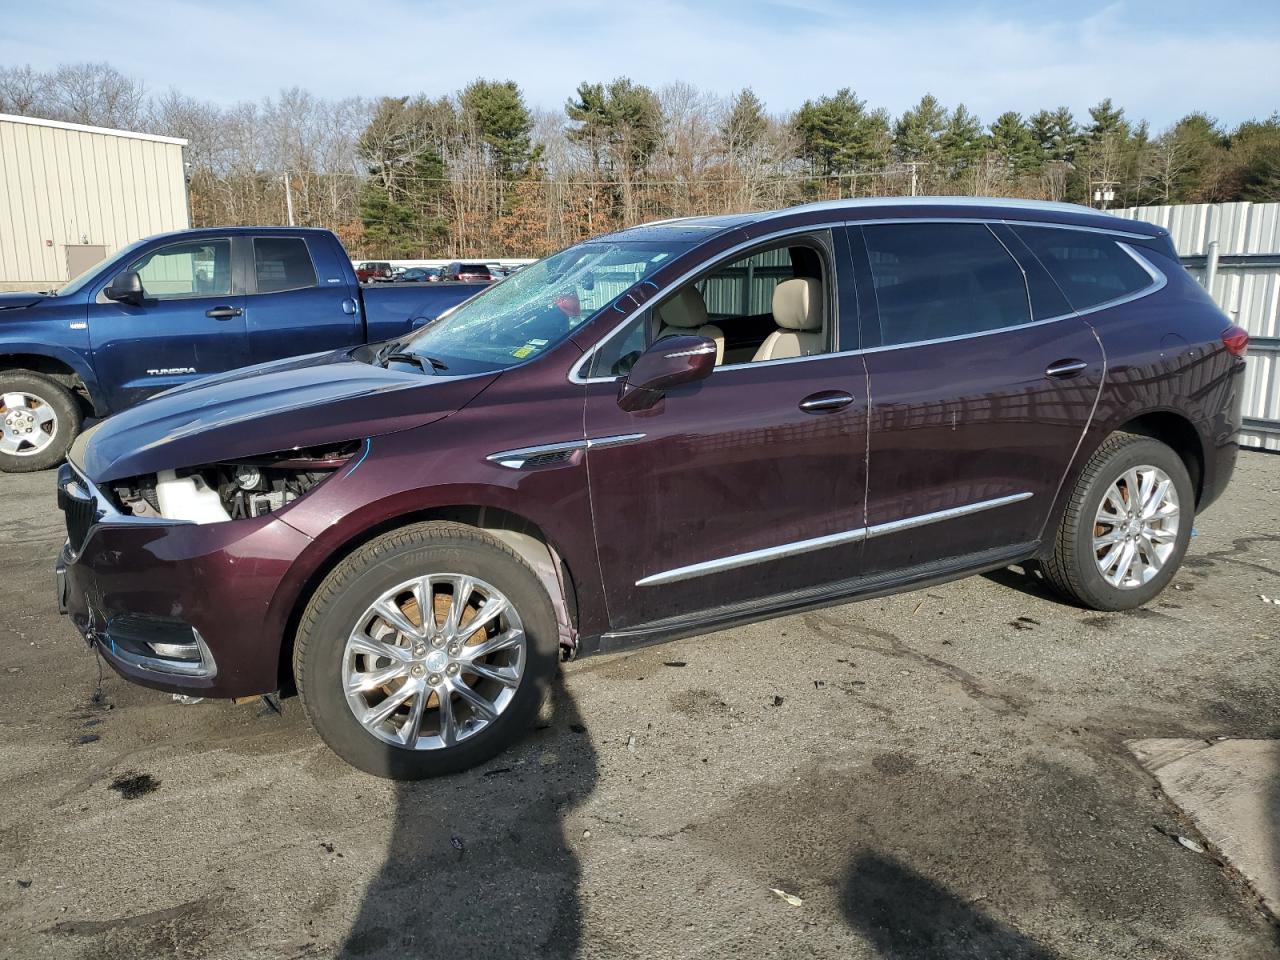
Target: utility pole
(288, 198)
(914, 183)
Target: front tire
(39, 419)
(407, 696)
(1126, 526)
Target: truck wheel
(1126, 526)
(425, 652)
(38, 421)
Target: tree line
(481, 173)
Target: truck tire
(39, 419)
(1115, 550)
(407, 697)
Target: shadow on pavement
(907, 915)
(480, 864)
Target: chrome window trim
(765, 554)
(1159, 280)
(517, 458)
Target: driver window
(741, 308)
(198, 268)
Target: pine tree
(918, 133)
(503, 122)
(837, 133)
(1013, 142)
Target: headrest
(686, 310)
(797, 304)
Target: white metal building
(71, 195)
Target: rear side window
(1091, 268)
(282, 263)
(938, 280)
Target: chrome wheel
(434, 661)
(28, 424)
(1136, 527)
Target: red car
(658, 433)
(373, 270)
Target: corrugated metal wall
(1246, 285)
(63, 184)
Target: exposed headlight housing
(233, 490)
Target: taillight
(1236, 340)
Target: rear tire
(39, 420)
(349, 658)
(1121, 554)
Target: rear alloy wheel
(1126, 526)
(38, 421)
(426, 651)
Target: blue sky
(1157, 59)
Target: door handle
(223, 313)
(1065, 368)
(825, 401)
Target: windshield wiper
(419, 360)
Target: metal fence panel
(1246, 285)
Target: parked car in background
(418, 275)
(373, 271)
(661, 432)
(468, 272)
(172, 308)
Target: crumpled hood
(300, 402)
(17, 301)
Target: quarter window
(282, 263)
(938, 280)
(1091, 268)
(197, 268)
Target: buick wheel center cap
(437, 660)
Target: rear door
(298, 302)
(190, 325)
(982, 382)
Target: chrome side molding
(545, 454)
(821, 543)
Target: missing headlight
(236, 490)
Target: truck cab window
(198, 268)
(282, 263)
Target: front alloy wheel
(433, 661)
(38, 420)
(426, 651)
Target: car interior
(771, 305)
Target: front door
(190, 325)
(981, 385)
(746, 487)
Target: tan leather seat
(798, 312)
(686, 313)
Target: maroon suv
(659, 432)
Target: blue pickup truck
(179, 306)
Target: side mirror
(126, 288)
(668, 363)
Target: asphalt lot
(941, 773)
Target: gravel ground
(941, 773)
